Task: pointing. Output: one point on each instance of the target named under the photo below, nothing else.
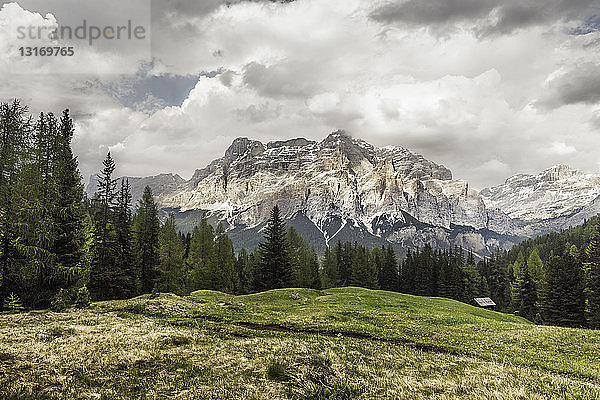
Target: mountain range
(343, 188)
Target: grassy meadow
(346, 343)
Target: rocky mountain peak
(556, 191)
(559, 172)
(243, 145)
(355, 150)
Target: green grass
(347, 343)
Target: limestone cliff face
(555, 192)
(346, 188)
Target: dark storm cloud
(278, 80)
(581, 85)
(487, 16)
(198, 8)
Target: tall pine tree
(146, 226)
(593, 280)
(171, 258)
(388, 278)
(275, 269)
(109, 277)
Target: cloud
(485, 17)
(274, 71)
(578, 85)
(560, 148)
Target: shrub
(177, 341)
(13, 304)
(278, 371)
(82, 299)
(61, 301)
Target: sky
(488, 88)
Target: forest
(59, 248)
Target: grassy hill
(293, 343)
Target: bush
(13, 304)
(82, 299)
(278, 371)
(61, 301)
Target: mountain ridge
(343, 188)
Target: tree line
(59, 247)
(555, 278)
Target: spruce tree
(223, 273)
(345, 258)
(364, 270)
(69, 213)
(593, 280)
(202, 256)
(123, 226)
(331, 272)
(516, 271)
(305, 263)
(244, 273)
(171, 258)
(146, 226)
(275, 270)
(14, 130)
(496, 276)
(389, 272)
(527, 295)
(424, 270)
(408, 272)
(564, 300)
(536, 268)
(35, 213)
(109, 278)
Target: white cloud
(560, 148)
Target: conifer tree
(331, 272)
(424, 270)
(244, 273)
(146, 226)
(564, 300)
(123, 226)
(345, 258)
(254, 268)
(36, 212)
(69, 217)
(536, 269)
(275, 270)
(223, 273)
(202, 256)
(389, 272)
(305, 263)
(593, 280)
(109, 278)
(496, 276)
(14, 130)
(171, 258)
(364, 270)
(408, 272)
(377, 254)
(527, 295)
(516, 271)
